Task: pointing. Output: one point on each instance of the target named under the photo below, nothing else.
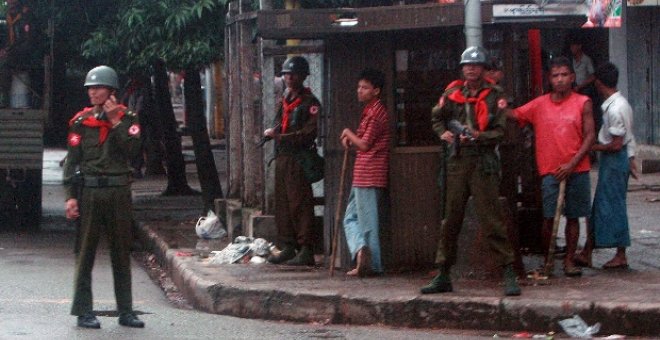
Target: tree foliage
(336, 3)
(182, 33)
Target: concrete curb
(415, 311)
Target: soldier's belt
(476, 150)
(106, 181)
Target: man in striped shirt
(372, 142)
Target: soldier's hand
(270, 132)
(72, 211)
(447, 136)
(112, 108)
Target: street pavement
(624, 301)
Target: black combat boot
(305, 257)
(130, 320)
(286, 254)
(511, 287)
(441, 283)
(88, 320)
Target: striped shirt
(371, 166)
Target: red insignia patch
(26, 28)
(502, 104)
(314, 109)
(134, 130)
(74, 139)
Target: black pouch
(312, 163)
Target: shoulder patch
(501, 103)
(314, 109)
(74, 139)
(134, 130)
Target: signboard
(635, 3)
(604, 13)
(534, 10)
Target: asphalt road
(36, 272)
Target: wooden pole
(549, 261)
(336, 224)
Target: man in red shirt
(372, 141)
(564, 132)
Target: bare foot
(352, 272)
(582, 260)
(616, 263)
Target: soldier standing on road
(477, 105)
(101, 140)
(295, 131)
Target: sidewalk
(624, 302)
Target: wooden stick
(336, 224)
(550, 261)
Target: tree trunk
(206, 170)
(154, 152)
(176, 166)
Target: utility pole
(473, 30)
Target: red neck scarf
(480, 105)
(91, 121)
(287, 107)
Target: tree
(178, 35)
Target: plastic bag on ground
(210, 226)
(575, 327)
(242, 250)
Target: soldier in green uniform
(471, 109)
(101, 140)
(295, 132)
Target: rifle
(458, 130)
(267, 138)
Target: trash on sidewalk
(575, 327)
(243, 250)
(183, 253)
(537, 274)
(210, 226)
(528, 335)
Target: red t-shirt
(558, 130)
(371, 166)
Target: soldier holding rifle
(476, 104)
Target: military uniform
(101, 152)
(475, 170)
(294, 207)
